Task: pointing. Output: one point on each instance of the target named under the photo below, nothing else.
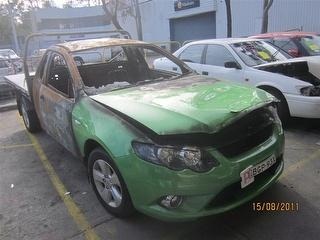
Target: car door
(215, 58)
(56, 98)
(193, 56)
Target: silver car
(5, 69)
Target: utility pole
(13, 27)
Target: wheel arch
(268, 88)
(91, 144)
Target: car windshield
(311, 44)
(254, 53)
(107, 69)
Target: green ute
(161, 140)
(190, 116)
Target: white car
(295, 82)
(13, 58)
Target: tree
(229, 18)
(112, 9)
(47, 4)
(15, 20)
(265, 15)
(5, 36)
(33, 4)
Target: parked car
(172, 145)
(6, 90)
(12, 58)
(297, 44)
(295, 82)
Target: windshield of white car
(254, 53)
(311, 44)
(112, 68)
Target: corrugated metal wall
(289, 14)
(283, 15)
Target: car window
(42, 66)
(217, 55)
(112, 68)
(100, 55)
(192, 54)
(254, 53)
(59, 76)
(285, 43)
(311, 44)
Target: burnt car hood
(191, 104)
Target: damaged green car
(171, 144)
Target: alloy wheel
(107, 183)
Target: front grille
(247, 133)
(248, 142)
(234, 192)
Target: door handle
(174, 68)
(205, 73)
(41, 97)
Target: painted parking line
(296, 166)
(15, 146)
(71, 206)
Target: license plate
(247, 175)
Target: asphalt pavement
(45, 194)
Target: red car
(296, 43)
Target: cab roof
(290, 34)
(79, 45)
(223, 41)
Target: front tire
(29, 116)
(108, 184)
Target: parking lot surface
(45, 194)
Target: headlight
(176, 158)
(310, 91)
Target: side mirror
(294, 52)
(232, 64)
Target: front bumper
(303, 106)
(203, 193)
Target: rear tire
(108, 184)
(29, 116)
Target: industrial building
(181, 20)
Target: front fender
(92, 121)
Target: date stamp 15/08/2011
(275, 206)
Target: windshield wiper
(273, 56)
